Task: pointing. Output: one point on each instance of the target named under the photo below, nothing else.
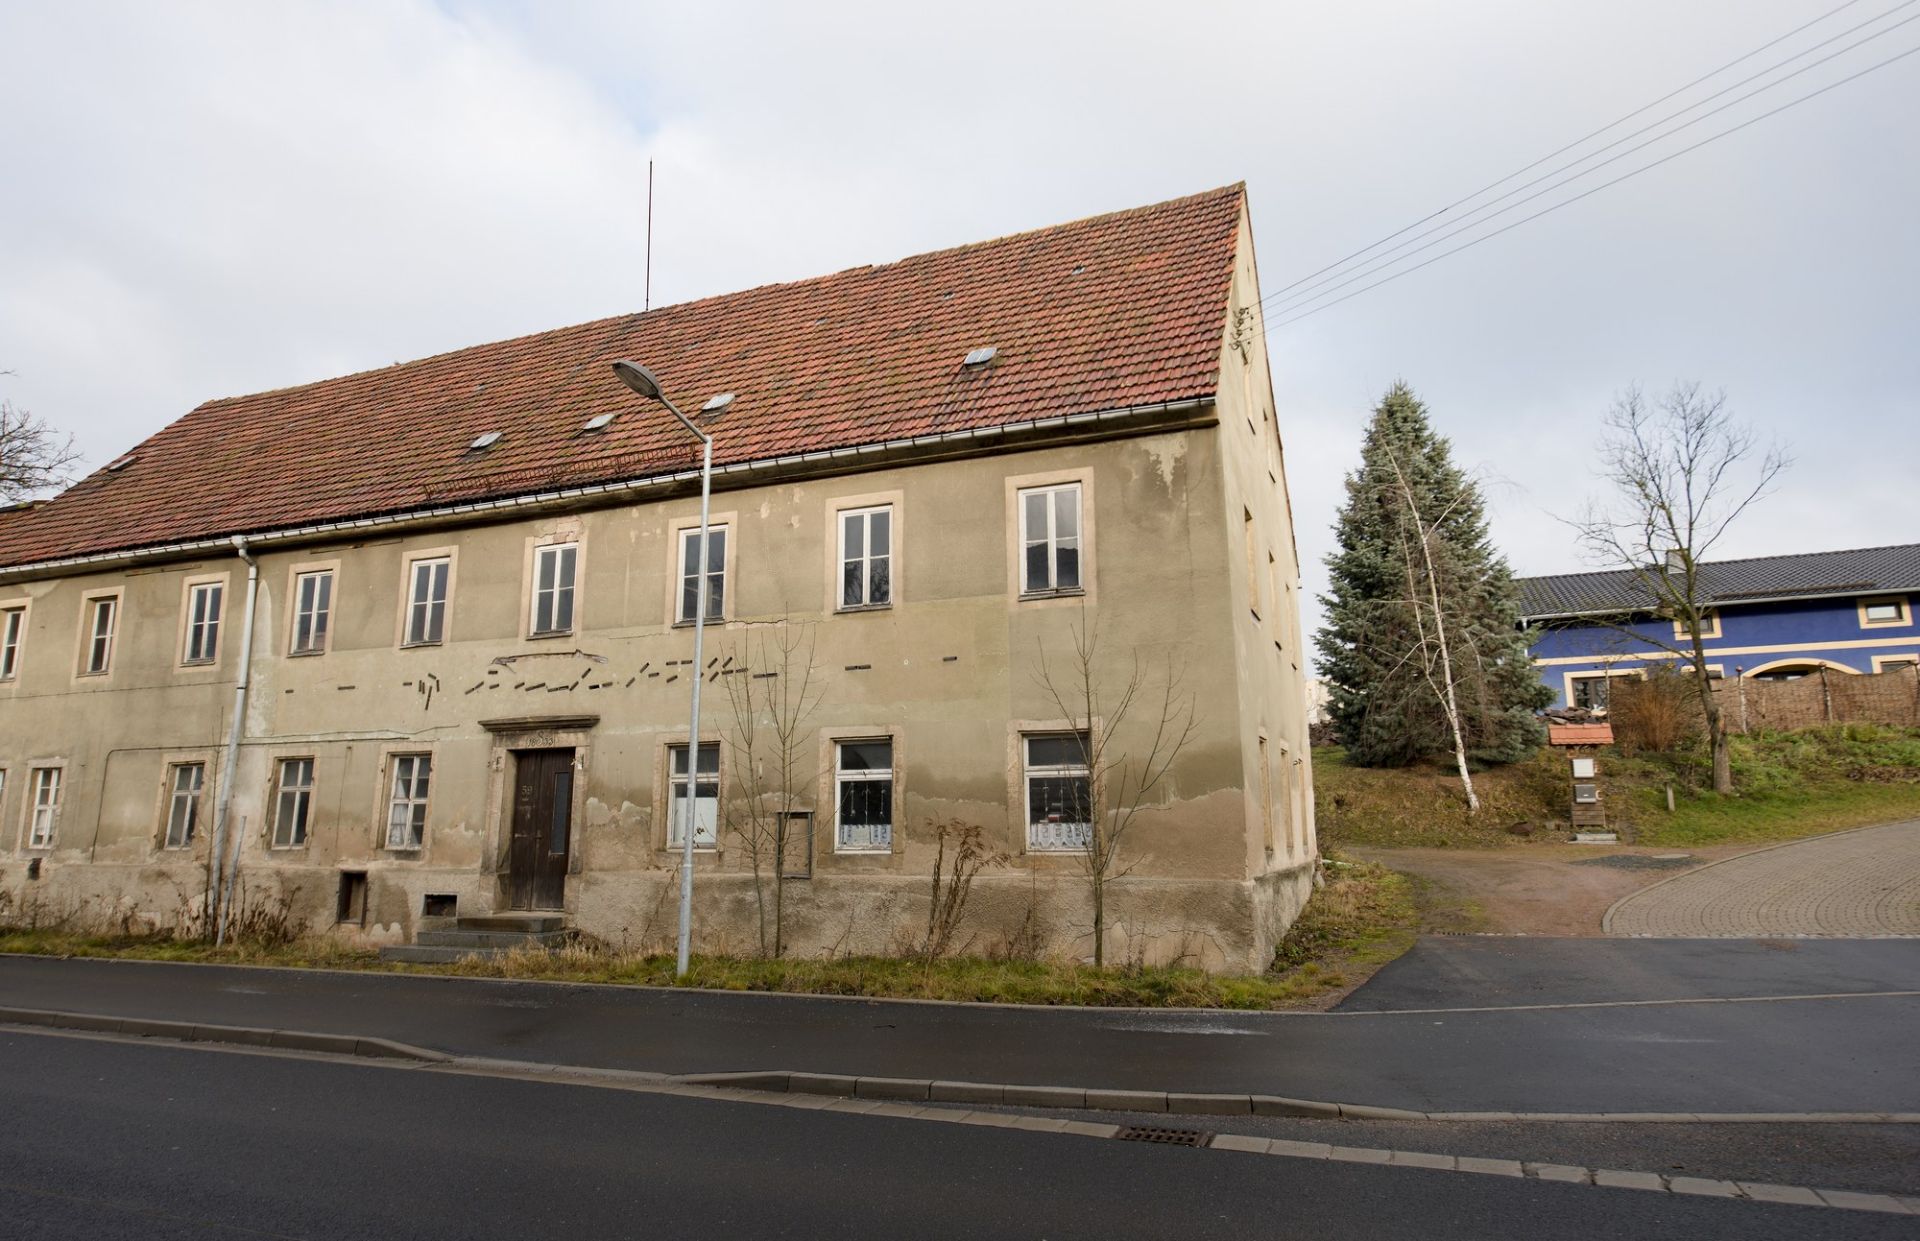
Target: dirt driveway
(1559, 889)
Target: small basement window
(439, 905)
(352, 905)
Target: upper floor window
(46, 807)
(427, 601)
(102, 614)
(1050, 540)
(312, 611)
(866, 557)
(203, 622)
(1059, 781)
(863, 796)
(706, 797)
(13, 627)
(407, 804)
(716, 591)
(184, 782)
(294, 803)
(1709, 626)
(1889, 611)
(554, 567)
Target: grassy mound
(1787, 785)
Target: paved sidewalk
(1858, 883)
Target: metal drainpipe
(238, 725)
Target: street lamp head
(639, 378)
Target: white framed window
(1050, 540)
(184, 783)
(1888, 611)
(706, 796)
(204, 603)
(427, 601)
(312, 611)
(102, 615)
(407, 801)
(554, 567)
(293, 805)
(1709, 626)
(46, 807)
(716, 592)
(13, 627)
(866, 557)
(1059, 787)
(1590, 693)
(863, 796)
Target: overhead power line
(1331, 276)
(1342, 279)
(1791, 103)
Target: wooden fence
(1824, 697)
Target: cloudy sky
(209, 199)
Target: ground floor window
(863, 795)
(294, 803)
(1059, 791)
(1590, 693)
(184, 782)
(407, 801)
(46, 807)
(706, 797)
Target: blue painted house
(1773, 617)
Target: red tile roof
(1103, 313)
(1579, 734)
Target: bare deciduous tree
(771, 684)
(33, 456)
(1127, 759)
(1683, 471)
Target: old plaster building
(461, 587)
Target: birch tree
(1422, 649)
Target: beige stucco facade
(1188, 552)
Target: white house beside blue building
(1773, 617)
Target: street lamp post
(642, 380)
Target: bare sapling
(1128, 737)
(773, 687)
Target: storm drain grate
(1164, 1136)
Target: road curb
(247, 1036)
(929, 1090)
(901, 1089)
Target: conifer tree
(1422, 649)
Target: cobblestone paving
(1858, 883)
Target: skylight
(486, 441)
(981, 356)
(598, 422)
(717, 403)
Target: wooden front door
(542, 829)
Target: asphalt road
(1853, 1054)
(109, 1139)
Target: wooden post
(1826, 694)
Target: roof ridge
(1711, 564)
(1236, 188)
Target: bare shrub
(960, 854)
(1660, 714)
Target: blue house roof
(1812, 575)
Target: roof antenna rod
(646, 296)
